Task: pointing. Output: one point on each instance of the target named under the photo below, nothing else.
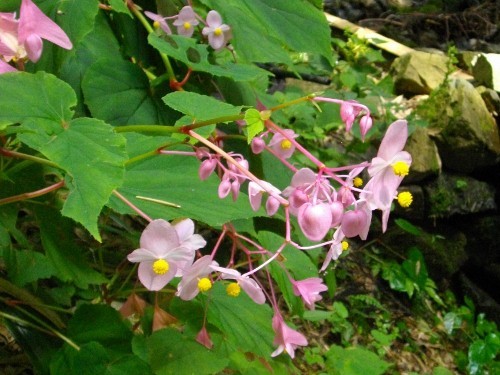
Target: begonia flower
(357, 222)
(335, 250)
(257, 145)
(255, 193)
(286, 338)
(187, 237)
(309, 290)
(387, 170)
(186, 21)
(281, 145)
(9, 42)
(34, 26)
(218, 33)
(195, 278)
(159, 21)
(315, 220)
(161, 255)
(249, 285)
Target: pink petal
(304, 176)
(6, 68)
(394, 139)
(253, 290)
(315, 220)
(153, 281)
(159, 237)
(353, 222)
(255, 195)
(34, 21)
(214, 19)
(142, 255)
(34, 46)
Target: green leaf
(295, 25)
(93, 156)
(174, 179)
(118, 92)
(120, 6)
(47, 98)
(25, 266)
(246, 324)
(57, 234)
(408, 227)
(200, 107)
(195, 56)
(172, 352)
(255, 124)
(93, 359)
(354, 361)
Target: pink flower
(309, 290)
(35, 26)
(281, 145)
(165, 251)
(159, 21)
(258, 145)
(335, 249)
(315, 220)
(365, 124)
(249, 285)
(218, 33)
(348, 113)
(195, 278)
(186, 21)
(286, 338)
(387, 170)
(9, 43)
(357, 222)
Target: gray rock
(491, 99)
(486, 70)
(419, 72)
(425, 157)
(467, 137)
(451, 195)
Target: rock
(451, 195)
(419, 72)
(486, 70)
(491, 99)
(467, 59)
(426, 161)
(467, 136)
(481, 299)
(444, 253)
(483, 238)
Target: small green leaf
(254, 122)
(200, 107)
(408, 227)
(120, 6)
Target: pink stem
(132, 206)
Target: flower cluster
(323, 200)
(217, 32)
(21, 39)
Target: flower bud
(206, 168)
(315, 220)
(272, 205)
(258, 145)
(224, 188)
(354, 222)
(337, 212)
(365, 124)
(235, 189)
(298, 198)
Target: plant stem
(132, 206)
(20, 155)
(33, 194)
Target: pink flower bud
(298, 198)
(315, 220)
(337, 212)
(206, 168)
(354, 222)
(224, 188)
(272, 205)
(258, 145)
(235, 189)
(365, 124)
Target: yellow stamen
(156, 24)
(285, 144)
(400, 168)
(233, 290)
(160, 267)
(187, 25)
(357, 182)
(345, 245)
(405, 199)
(204, 284)
(218, 31)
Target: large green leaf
(26, 266)
(93, 156)
(196, 55)
(295, 25)
(246, 324)
(171, 352)
(47, 98)
(354, 361)
(174, 179)
(117, 92)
